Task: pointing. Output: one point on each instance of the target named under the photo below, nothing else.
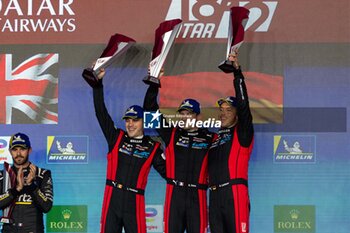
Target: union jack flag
(29, 93)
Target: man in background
(31, 194)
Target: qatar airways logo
(209, 18)
(37, 16)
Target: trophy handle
(90, 77)
(150, 80)
(227, 66)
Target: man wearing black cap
(130, 157)
(26, 190)
(186, 168)
(228, 161)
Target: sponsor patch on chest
(141, 151)
(183, 141)
(200, 145)
(222, 139)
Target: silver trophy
(117, 45)
(164, 39)
(238, 20)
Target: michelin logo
(294, 149)
(67, 149)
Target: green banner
(67, 218)
(294, 218)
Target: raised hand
(31, 175)
(233, 57)
(20, 179)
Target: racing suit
(186, 174)
(29, 204)
(128, 163)
(228, 159)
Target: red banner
(90, 21)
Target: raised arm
(245, 119)
(151, 104)
(103, 117)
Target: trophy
(164, 38)
(239, 18)
(117, 45)
(9, 181)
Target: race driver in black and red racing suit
(229, 155)
(130, 157)
(186, 169)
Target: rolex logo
(66, 214)
(67, 218)
(294, 218)
(294, 214)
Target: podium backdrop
(296, 60)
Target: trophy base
(227, 66)
(150, 80)
(90, 77)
